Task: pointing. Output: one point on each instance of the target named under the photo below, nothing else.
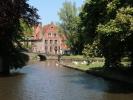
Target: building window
(49, 34)
(55, 41)
(55, 49)
(54, 34)
(51, 41)
(46, 41)
(50, 49)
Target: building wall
(52, 42)
(37, 36)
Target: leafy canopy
(68, 15)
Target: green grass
(73, 57)
(92, 65)
(86, 66)
(97, 62)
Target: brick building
(37, 45)
(51, 41)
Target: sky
(48, 9)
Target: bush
(91, 51)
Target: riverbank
(116, 74)
(120, 74)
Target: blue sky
(48, 9)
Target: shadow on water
(19, 59)
(42, 57)
(15, 61)
(14, 74)
(120, 70)
(99, 84)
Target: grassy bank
(122, 74)
(86, 66)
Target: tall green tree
(107, 21)
(12, 11)
(119, 34)
(27, 30)
(69, 23)
(90, 16)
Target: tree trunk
(106, 64)
(0, 65)
(4, 68)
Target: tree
(69, 23)
(12, 11)
(111, 22)
(27, 30)
(91, 51)
(117, 33)
(91, 15)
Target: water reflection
(49, 81)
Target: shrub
(91, 51)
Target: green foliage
(91, 51)
(118, 31)
(91, 15)
(27, 31)
(69, 23)
(121, 26)
(112, 22)
(26, 28)
(109, 28)
(11, 32)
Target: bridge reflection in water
(49, 81)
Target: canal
(49, 81)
